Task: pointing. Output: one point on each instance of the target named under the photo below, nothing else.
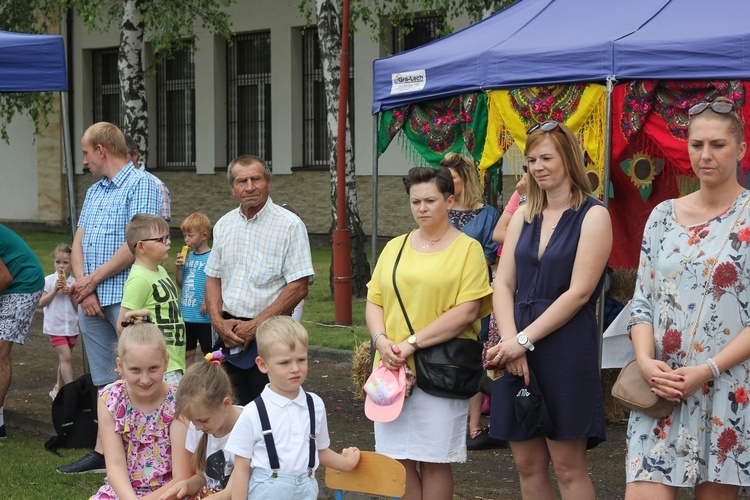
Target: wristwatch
(524, 341)
(412, 341)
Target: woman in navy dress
(548, 280)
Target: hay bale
(614, 411)
(361, 368)
(623, 285)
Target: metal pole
(611, 81)
(342, 255)
(374, 237)
(68, 163)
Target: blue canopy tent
(547, 42)
(36, 63)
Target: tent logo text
(409, 81)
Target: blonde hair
(566, 144)
(279, 329)
(109, 136)
(139, 330)
(471, 195)
(140, 226)
(197, 223)
(205, 384)
(61, 248)
(732, 119)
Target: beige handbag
(632, 389)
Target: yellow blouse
(430, 284)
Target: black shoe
(483, 441)
(93, 462)
(3, 435)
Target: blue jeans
(100, 342)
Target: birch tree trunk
(130, 68)
(329, 37)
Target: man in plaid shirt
(101, 258)
(259, 267)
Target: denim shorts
(287, 486)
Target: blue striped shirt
(107, 209)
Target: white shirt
(60, 317)
(256, 258)
(290, 423)
(219, 461)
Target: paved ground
(486, 475)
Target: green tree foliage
(24, 16)
(168, 25)
(381, 16)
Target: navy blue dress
(565, 362)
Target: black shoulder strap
(395, 288)
(273, 457)
(311, 409)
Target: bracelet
(714, 368)
(521, 200)
(376, 337)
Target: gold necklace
(432, 242)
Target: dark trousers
(247, 383)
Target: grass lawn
(29, 471)
(318, 315)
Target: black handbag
(452, 369)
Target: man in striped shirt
(259, 267)
(101, 258)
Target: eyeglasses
(721, 107)
(164, 239)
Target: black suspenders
(273, 457)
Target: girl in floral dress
(137, 422)
(690, 324)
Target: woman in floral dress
(694, 350)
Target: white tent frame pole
(68, 162)
(611, 81)
(374, 235)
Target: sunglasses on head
(164, 239)
(721, 107)
(545, 127)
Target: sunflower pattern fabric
(649, 157)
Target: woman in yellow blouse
(442, 279)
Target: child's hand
(179, 490)
(180, 260)
(351, 456)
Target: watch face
(522, 339)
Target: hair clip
(215, 357)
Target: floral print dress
(148, 449)
(705, 438)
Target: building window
(416, 32)
(249, 96)
(176, 110)
(314, 109)
(108, 105)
